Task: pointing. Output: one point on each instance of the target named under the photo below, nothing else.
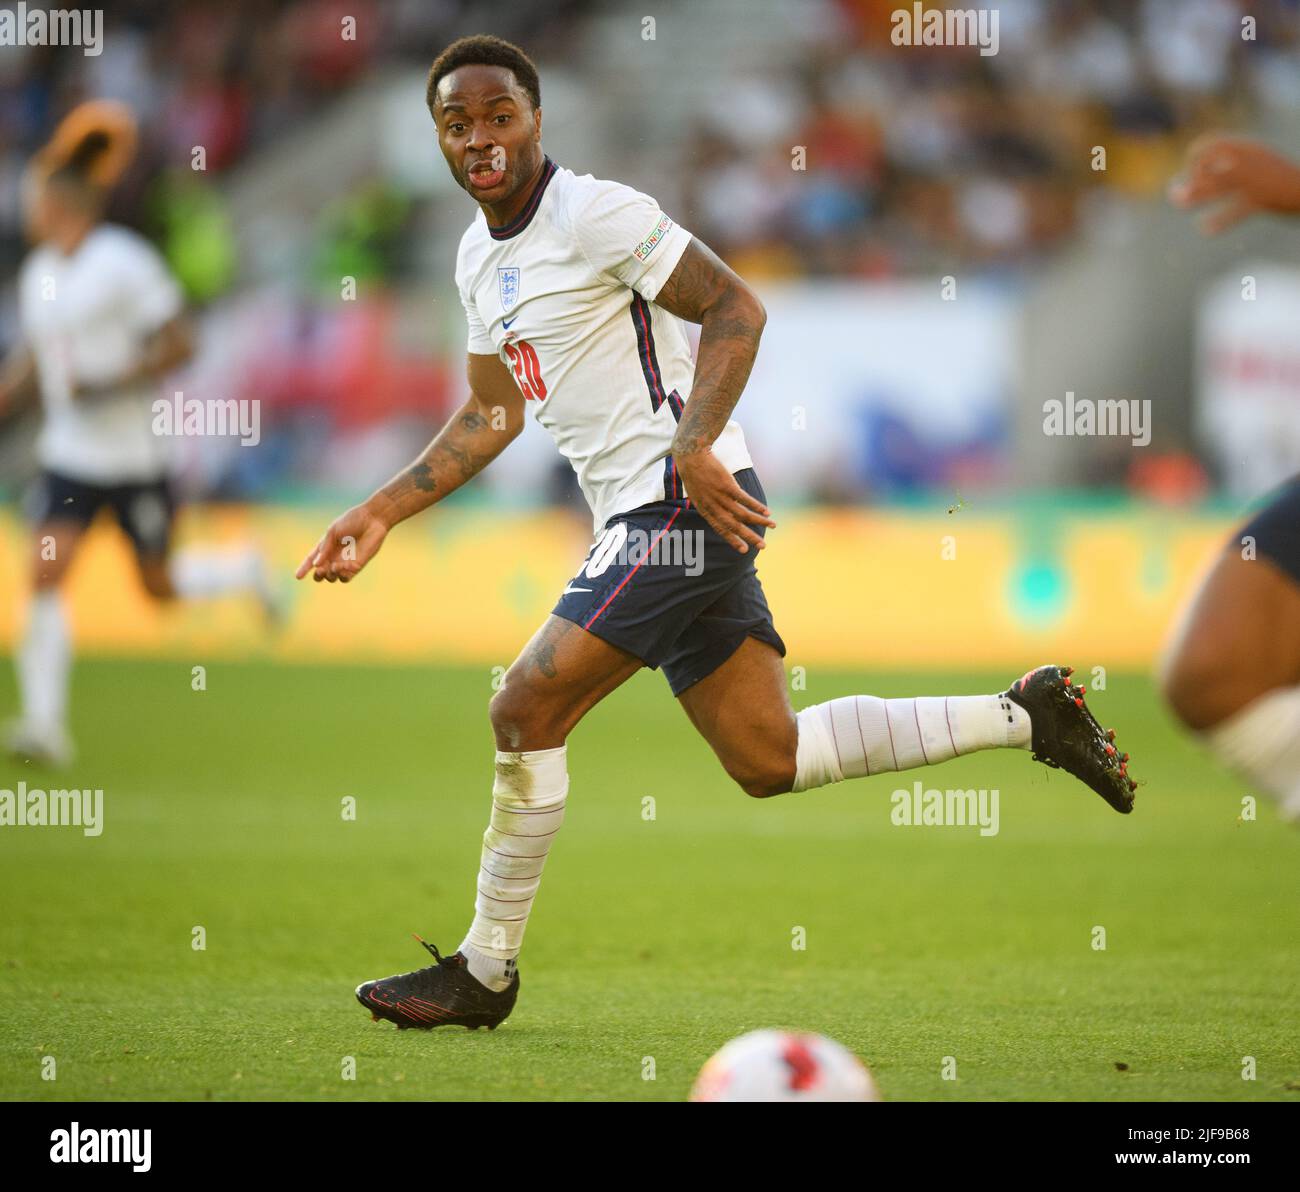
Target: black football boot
(444, 994)
(1066, 737)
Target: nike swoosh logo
(572, 589)
(506, 324)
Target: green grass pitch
(652, 939)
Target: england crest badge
(508, 283)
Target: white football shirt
(86, 317)
(564, 295)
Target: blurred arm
(17, 380)
(171, 346)
(1242, 176)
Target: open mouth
(483, 175)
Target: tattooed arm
(703, 290)
(474, 436)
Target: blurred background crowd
(320, 164)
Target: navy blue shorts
(659, 583)
(146, 511)
(1276, 529)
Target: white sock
(204, 573)
(43, 662)
(1262, 743)
(527, 809)
(860, 735)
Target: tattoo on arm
(696, 284)
(462, 449)
(703, 290)
(422, 477)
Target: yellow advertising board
(849, 588)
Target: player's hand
(727, 507)
(348, 545)
(1241, 176)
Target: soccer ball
(784, 1066)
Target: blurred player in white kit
(102, 323)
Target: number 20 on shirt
(527, 369)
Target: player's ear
(537, 124)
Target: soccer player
(1232, 671)
(102, 322)
(574, 290)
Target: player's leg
(1232, 672)
(743, 711)
(61, 510)
(741, 708)
(562, 673)
(724, 666)
(147, 513)
(1238, 640)
(44, 655)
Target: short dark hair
(485, 50)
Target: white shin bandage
(528, 799)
